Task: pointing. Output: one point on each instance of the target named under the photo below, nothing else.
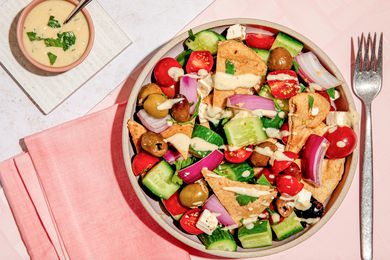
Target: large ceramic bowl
(173, 48)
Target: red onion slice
(188, 88)
(156, 125)
(252, 102)
(215, 206)
(193, 173)
(171, 156)
(312, 157)
(311, 70)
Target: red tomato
(324, 94)
(199, 60)
(293, 170)
(174, 206)
(342, 142)
(280, 165)
(269, 175)
(170, 91)
(143, 162)
(188, 221)
(283, 131)
(284, 84)
(161, 71)
(238, 156)
(288, 184)
(259, 41)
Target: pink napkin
(71, 197)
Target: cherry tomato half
(293, 170)
(284, 84)
(188, 221)
(259, 41)
(170, 91)
(325, 94)
(281, 165)
(284, 132)
(200, 60)
(342, 142)
(238, 156)
(269, 175)
(143, 162)
(288, 184)
(173, 205)
(161, 71)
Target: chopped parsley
(230, 69)
(191, 35)
(311, 101)
(32, 36)
(263, 181)
(64, 40)
(303, 87)
(331, 92)
(52, 57)
(295, 66)
(244, 200)
(53, 23)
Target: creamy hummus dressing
(199, 144)
(224, 81)
(36, 21)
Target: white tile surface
(49, 90)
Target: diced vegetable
(257, 236)
(236, 171)
(171, 156)
(161, 71)
(200, 60)
(289, 43)
(263, 106)
(284, 84)
(156, 125)
(312, 157)
(311, 70)
(143, 162)
(158, 180)
(244, 131)
(264, 54)
(193, 173)
(238, 155)
(183, 57)
(174, 207)
(188, 88)
(288, 227)
(259, 41)
(219, 240)
(207, 135)
(188, 221)
(263, 181)
(215, 206)
(205, 40)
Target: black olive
(315, 211)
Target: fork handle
(366, 188)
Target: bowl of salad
(239, 138)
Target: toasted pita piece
(302, 122)
(245, 61)
(180, 129)
(228, 198)
(332, 172)
(136, 131)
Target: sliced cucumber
(264, 54)
(183, 57)
(263, 181)
(259, 235)
(244, 131)
(205, 40)
(288, 227)
(265, 91)
(219, 240)
(236, 171)
(159, 180)
(207, 135)
(292, 45)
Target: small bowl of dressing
(49, 44)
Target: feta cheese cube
(236, 32)
(302, 201)
(207, 222)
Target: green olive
(194, 195)
(147, 90)
(152, 102)
(280, 59)
(154, 144)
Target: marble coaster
(46, 90)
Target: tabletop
(329, 24)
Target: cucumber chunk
(236, 171)
(205, 40)
(288, 227)
(289, 43)
(207, 135)
(244, 131)
(219, 240)
(264, 54)
(159, 180)
(258, 236)
(182, 58)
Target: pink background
(330, 24)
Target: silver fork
(367, 83)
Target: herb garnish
(229, 69)
(311, 101)
(53, 23)
(303, 87)
(295, 66)
(244, 200)
(64, 40)
(52, 57)
(191, 35)
(331, 92)
(32, 36)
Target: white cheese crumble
(302, 200)
(175, 73)
(207, 222)
(247, 191)
(236, 31)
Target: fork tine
(372, 59)
(366, 50)
(380, 55)
(358, 55)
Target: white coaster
(45, 90)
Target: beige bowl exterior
(19, 36)
(172, 48)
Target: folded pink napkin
(71, 197)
